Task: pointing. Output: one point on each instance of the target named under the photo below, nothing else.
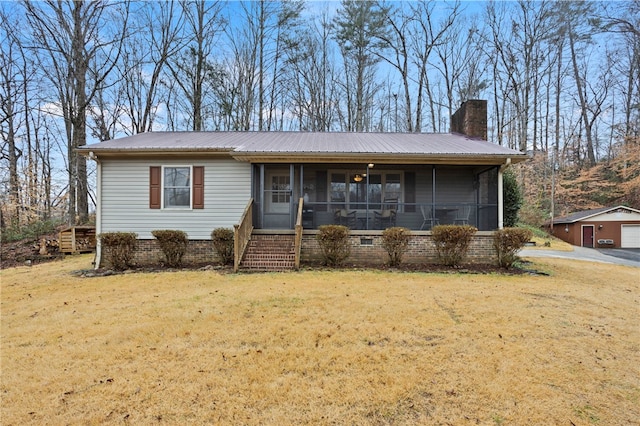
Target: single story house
(280, 187)
(607, 227)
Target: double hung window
(176, 187)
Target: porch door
(277, 199)
(587, 235)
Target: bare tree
(625, 21)
(194, 72)
(69, 38)
(11, 90)
(309, 77)
(516, 56)
(242, 73)
(578, 22)
(459, 63)
(141, 70)
(284, 41)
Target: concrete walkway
(631, 258)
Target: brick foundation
(366, 249)
(148, 252)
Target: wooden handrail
(242, 235)
(298, 240)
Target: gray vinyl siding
(125, 198)
(424, 187)
(454, 185)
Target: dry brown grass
(355, 347)
(553, 244)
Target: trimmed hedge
(173, 244)
(395, 241)
(223, 244)
(507, 242)
(334, 243)
(452, 242)
(118, 248)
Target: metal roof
(251, 146)
(586, 214)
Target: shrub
(223, 244)
(334, 243)
(512, 198)
(452, 242)
(118, 248)
(507, 242)
(31, 231)
(395, 241)
(173, 244)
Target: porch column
(501, 170)
(261, 195)
(500, 201)
(292, 195)
(98, 258)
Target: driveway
(628, 257)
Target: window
(392, 190)
(384, 190)
(280, 189)
(338, 190)
(176, 187)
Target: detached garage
(613, 227)
(630, 236)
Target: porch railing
(298, 239)
(415, 216)
(242, 234)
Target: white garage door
(630, 236)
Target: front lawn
(321, 347)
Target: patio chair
(345, 217)
(384, 219)
(428, 219)
(462, 215)
(390, 204)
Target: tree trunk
(584, 111)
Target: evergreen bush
(223, 244)
(31, 231)
(118, 248)
(512, 198)
(173, 244)
(395, 241)
(334, 243)
(452, 242)
(507, 242)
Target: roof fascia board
(154, 153)
(580, 219)
(377, 158)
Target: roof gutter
(97, 259)
(381, 158)
(506, 164)
(88, 151)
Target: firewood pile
(46, 246)
(77, 239)
(27, 251)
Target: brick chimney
(471, 119)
